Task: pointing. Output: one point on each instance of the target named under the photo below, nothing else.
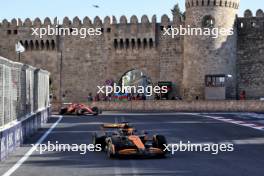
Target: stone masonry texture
(140, 44)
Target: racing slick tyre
(110, 150)
(160, 141)
(95, 110)
(63, 111)
(99, 140)
(79, 112)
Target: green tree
(176, 11)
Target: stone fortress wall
(124, 46)
(213, 55)
(250, 53)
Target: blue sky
(60, 8)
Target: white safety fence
(24, 90)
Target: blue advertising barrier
(12, 137)
(3, 146)
(18, 135)
(10, 140)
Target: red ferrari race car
(79, 109)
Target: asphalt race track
(246, 160)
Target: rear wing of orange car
(114, 125)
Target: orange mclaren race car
(122, 140)
(79, 109)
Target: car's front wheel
(63, 111)
(110, 150)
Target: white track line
(29, 153)
(134, 169)
(117, 169)
(236, 122)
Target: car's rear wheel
(99, 140)
(160, 142)
(95, 110)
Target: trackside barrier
(181, 106)
(24, 103)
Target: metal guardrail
(23, 91)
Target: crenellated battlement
(250, 22)
(27, 23)
(76, 21)
(125, 32)
(132, 27)
(248, 13)
(222, 3)
(110, 23)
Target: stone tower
(205, 55)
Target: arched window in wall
(214, 2)
(31, 45)
(208, 21)
(36, 45)
(145, 43)
(127, 43)
(47, 45)
(241, 25)
(115, 44)
(133, 43)
(121, 44)
(151, 44)
(42, 45)
(138, 43)
(26, 45)
(202, 2)
(53, 46)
